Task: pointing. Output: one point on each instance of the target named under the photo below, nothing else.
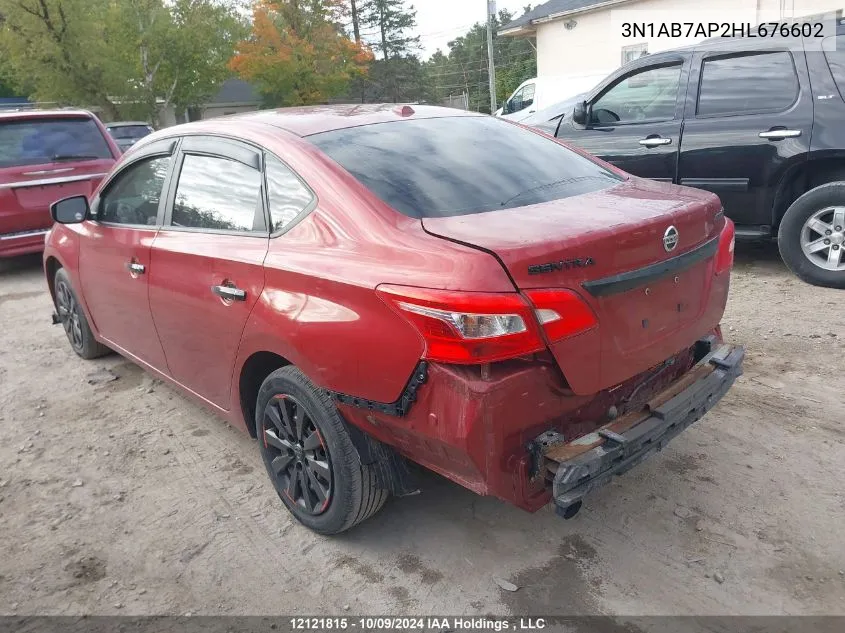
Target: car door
(519, 106)
(207, 263)
(635, 120)
(749, 122)
(114, 253)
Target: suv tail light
(467, 327)
(562, 313)
(725, 254)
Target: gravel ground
(123, 497)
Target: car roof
(308, 120)
(44, 114)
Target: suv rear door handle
(655, 141)
(229, 292)
(779, 135)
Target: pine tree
(392, 19)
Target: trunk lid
(608, 247)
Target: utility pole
(491, 69)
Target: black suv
(759, 122)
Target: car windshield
(39, 141)
(460, 165)
(129, 131)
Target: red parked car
(358, 286)
(46, 155)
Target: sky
(439, 21)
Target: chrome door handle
(778, 135)
(229, 292)
(135, 268)
(655, 141)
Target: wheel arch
(52, 264)
(804, 177)
(254, 371)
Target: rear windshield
(427, 168)
(129, 131)
(38, 141)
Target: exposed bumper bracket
(593, 460)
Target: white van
(538, 93)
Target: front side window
(528, 95)
(748, 83)
(133, 197)
(649, 94)
(834, 52)
(36, 141)
(287, 195)
(218, 194)
(426, 168)
(515, 104)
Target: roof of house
(235, 91)
(552, 7)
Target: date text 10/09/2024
(723, 29)
(428, 623)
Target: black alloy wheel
(68, 310)
(299, 459)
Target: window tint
(460, 165)
(130, 131)
(218, 193)
(648, 94)
(133, 197)
(288, 196)
(750, 83)
(834, 51)
(39, 141)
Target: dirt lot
(123, 497)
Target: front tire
(310, 457)
(75, 324)
(811, 238)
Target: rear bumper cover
(619, 452)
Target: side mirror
(71, 210)
(579, 114)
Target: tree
(123, 56)
(464, 69)
(297, 52)
(392, 19)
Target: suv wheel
(310, 457)
(811, 237)
(76, 326)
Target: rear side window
(834, 51)
(750, 83)
(218, 194)
(39, 141)
(460, 165)
(134, 195)
(287, 195)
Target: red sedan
(360, 286)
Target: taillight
(725, 254)
(467, 327)
(562, 313)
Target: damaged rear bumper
(594, 459)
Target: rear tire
(75, 324)
(810, 222)
(310, 457)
